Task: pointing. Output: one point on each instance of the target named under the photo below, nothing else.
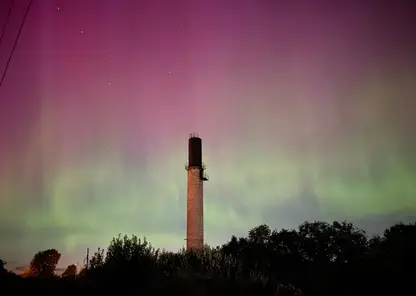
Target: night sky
(306, 110)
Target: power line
(3, 30)
(15, 43)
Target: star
(170, 72)
(82, 31)
(58, 8)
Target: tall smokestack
(195, 201)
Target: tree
(319, 258)
(125, 250)
(70, 271)
(44, 263)
(3, 270)
(125, 258)
(285, 255)
(326, 243)
(398, 246)
(348, 243)
(98, 259)
(317, 241)
(259, 234)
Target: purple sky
(306, 110)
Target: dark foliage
(70, 271)
(2, 267)
(316, 259)
(44, 263)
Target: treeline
(318, 258)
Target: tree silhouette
(130, 251)
(399, 244)
(325, 243)
(127, 258)
(44, 263)
(259, 235)
(318, 258)
(98, 259)
(70, 271)
(3, 269)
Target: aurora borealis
(306, 110)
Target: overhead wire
(15, 43)
(6, 22)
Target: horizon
(306, 112)
(15, 267)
